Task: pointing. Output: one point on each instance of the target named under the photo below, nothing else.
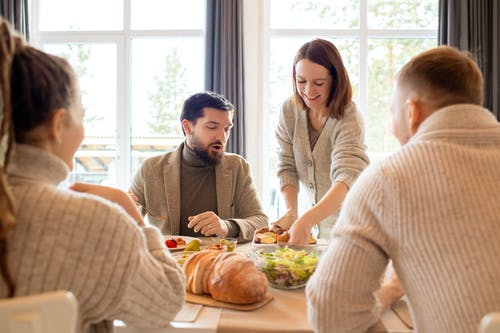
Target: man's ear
(416, 115)
(56, 124)
(186, 126)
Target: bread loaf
(236, 280)
(228, 277)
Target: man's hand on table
(209, 224)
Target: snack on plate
(266, 236)
(173, 243)
(274, 236)
(194, 245)
(227, 244)
(180, 241)
(182, 257)
(227, 276)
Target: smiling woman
(321, 138)
(374, 38)
(313, 83)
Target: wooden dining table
(286, 312)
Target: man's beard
(203, 152)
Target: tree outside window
(168, 96)
(375, 38)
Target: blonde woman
(93, 244)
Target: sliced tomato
(171, 243)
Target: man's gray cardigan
(338, 156)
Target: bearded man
(199, 189)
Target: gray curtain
(224, 62)
(474, 26)
(16, 12)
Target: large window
(375, 38)
(137, 61)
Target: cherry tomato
(171, 243)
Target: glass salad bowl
(287, 267)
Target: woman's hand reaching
(300, 232)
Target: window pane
(77, 15)
(164, 73)
(168, 14)
(385, 58)
(403, 14)
(282, 53)
(95, 66)
(314, 14)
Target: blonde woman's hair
(33, 84)
(443, 76)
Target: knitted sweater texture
(433, 208)
(89, 246)
(339, 154)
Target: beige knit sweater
(433, 208)
(89, 246)
(338, 155)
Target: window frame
(123, 41)
(256, 43)
(256, 50)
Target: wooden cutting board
(209, 301)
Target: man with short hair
(198, 189)
(432, 208)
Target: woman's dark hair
(324, 53)
(33, 84)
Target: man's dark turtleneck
(198, 190)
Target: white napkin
(189, 312)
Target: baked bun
(228, 277)
(283, 237)
(266, 235)
(236, 280)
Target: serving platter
(179, 247)
(209, 301)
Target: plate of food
(182, 256)
(177, 242)
(224, 244)
(274, 235)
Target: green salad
(285, 267)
